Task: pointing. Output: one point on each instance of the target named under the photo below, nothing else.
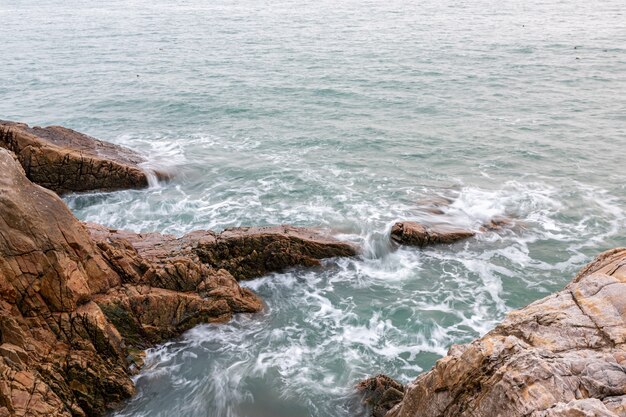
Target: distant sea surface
(342, 115)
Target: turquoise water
(342, 116)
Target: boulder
(417, 234)
(64, 160)
(425, 234)
(564, 355)
(78, 301)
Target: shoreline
(84, 296)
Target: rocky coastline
(78, 301)
(561, 356)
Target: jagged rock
(249, 252)
(78, 301)
(64, 160)
(381, 394)
(416, 234)
(60, 356)
(564, 355)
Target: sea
(345, 115)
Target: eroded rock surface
(64, 160)
(564, 355)
(77, 301)
(60, 356)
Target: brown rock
(381, 394)
(416, 234)
(64, 160)
(249, 252)
(74, 298)
(564, 355)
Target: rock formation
(564, 355)
(433, 225)
(64, 160)
(381, 394)
(416, 234)
(76, 299)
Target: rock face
(564, 355)
(416, 234)
(64, 160)
(76, 299)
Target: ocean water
(342, 115)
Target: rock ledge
(64, 160)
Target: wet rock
(249, 252)
(425, 234)
(416, 234)
(64, 160)
(500, 223)
(564, 355)
(60, 355)
(380, 394)
(77, 302)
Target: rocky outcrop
(564, 355)
(64, 160)
(60, 355)
(206, 265)
(77, 300)
(416, 234)
(249, 252)
(380, 393)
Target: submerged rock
(422, 234)
(564, 355)
(64, 160)
(77, 301)
(435, 225)
(416, 234)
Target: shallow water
(342, 116)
